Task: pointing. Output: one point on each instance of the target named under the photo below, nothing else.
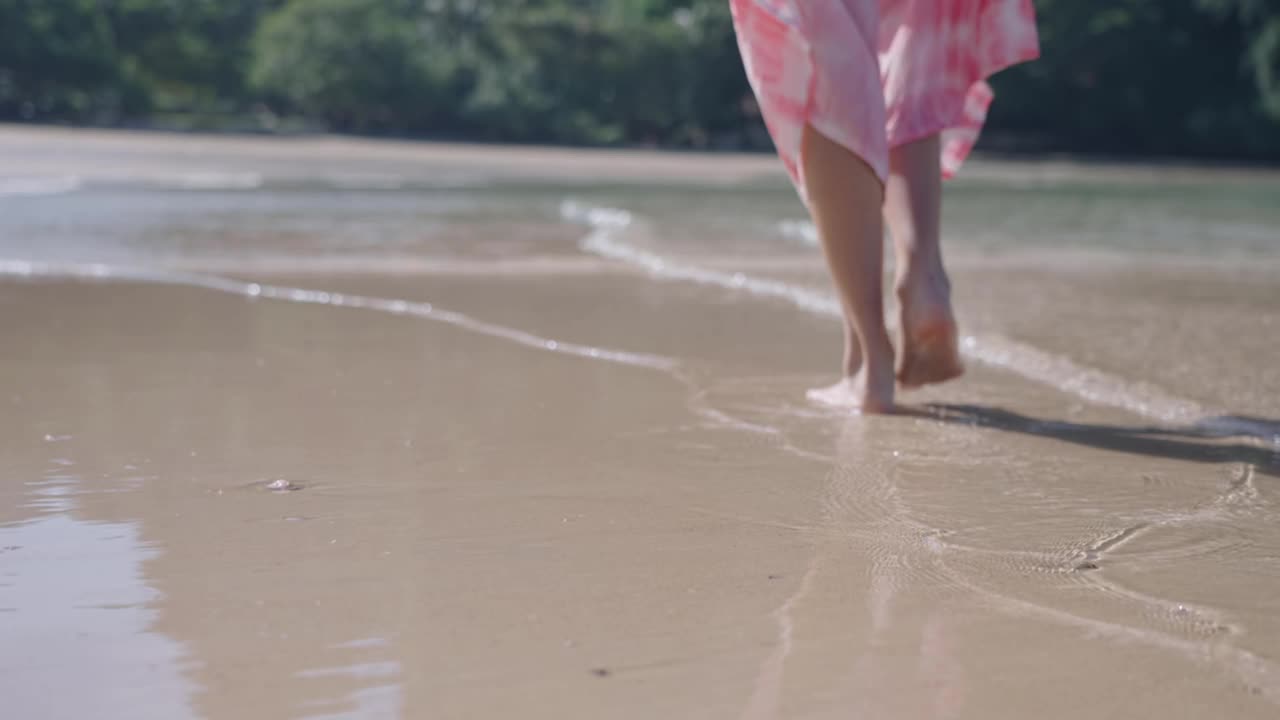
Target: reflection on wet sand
(74, 603)
(444, 538)
(880, 663)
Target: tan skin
(847, 201)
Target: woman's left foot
(860, 393)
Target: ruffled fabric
(875, 74)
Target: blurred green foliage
(1197, 77)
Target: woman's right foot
(930, 338)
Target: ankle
(922, 276)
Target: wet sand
(567, 484)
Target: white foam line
(607, 227)
(1089, 384)
(108, 273)
(217, 181)
(38, 186)
(62, 184)
(801, 231)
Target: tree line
(1187, 78)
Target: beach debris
(281, 486)
(601, 672)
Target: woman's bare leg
(846, 197)
(913, 209)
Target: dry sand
(587, 494)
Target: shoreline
(631, 165)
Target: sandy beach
(331, 428)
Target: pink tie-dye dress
(874, 74)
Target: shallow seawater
(1164, 289)
(374, 439)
